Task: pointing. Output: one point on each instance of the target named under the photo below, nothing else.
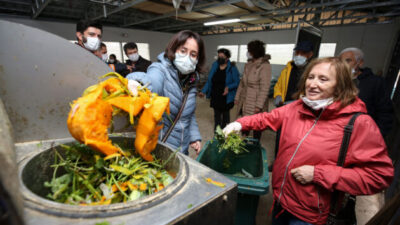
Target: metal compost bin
(35, 170)
(40, 74)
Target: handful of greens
(233, 142)
(89, 179)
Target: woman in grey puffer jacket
(176, 73)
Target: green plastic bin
(232, 166)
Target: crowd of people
(315, 99)
(89, 34)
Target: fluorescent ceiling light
(221, 22)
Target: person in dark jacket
(88, 36)
(135, 62)
(221, 87)
(372, 90)
(114, 64)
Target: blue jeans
(286, 218)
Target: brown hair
(179, 39)
(345, 90)
(256, 48)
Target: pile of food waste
(89, 178)
(91, 115)
(233, 142)
(97, 171)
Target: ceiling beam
(278, 12)
(19, 2)
(118, 9)
(283, 12)
(38, 6)
(335, 14)
(15, 9)
(390, 14)
(195, 9)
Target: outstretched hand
(232, 127)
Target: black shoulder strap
(348, 130)
(185, 97)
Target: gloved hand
(232, 127)
(278, 101)
(133, 87)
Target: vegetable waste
(88, 178)
(91, 115)
(110, 174)
(233, 142)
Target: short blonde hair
(345, 89)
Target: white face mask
(184, 63)
(133, 57)
(299, 60)
(92, 43)
(104, 57)
(249, 55)
(317, 104)
(111, 61)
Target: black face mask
(221, 61)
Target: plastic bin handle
(252, 140)
(254, 190)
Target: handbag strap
(348, 130)
(185, 97)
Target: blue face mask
(299, 60)
(184, 63)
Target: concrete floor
(205, 119)
(366, 206)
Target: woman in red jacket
(305, 171)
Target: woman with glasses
(174, 76)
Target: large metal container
(36, 169)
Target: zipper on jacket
(319, 208)
(297, 148)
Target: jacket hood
(162, 59)
(334, 110)
(261, 60)
(258, 62)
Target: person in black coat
(372, 90)
(135, 62)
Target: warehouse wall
(375, 40)
(157, 40)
